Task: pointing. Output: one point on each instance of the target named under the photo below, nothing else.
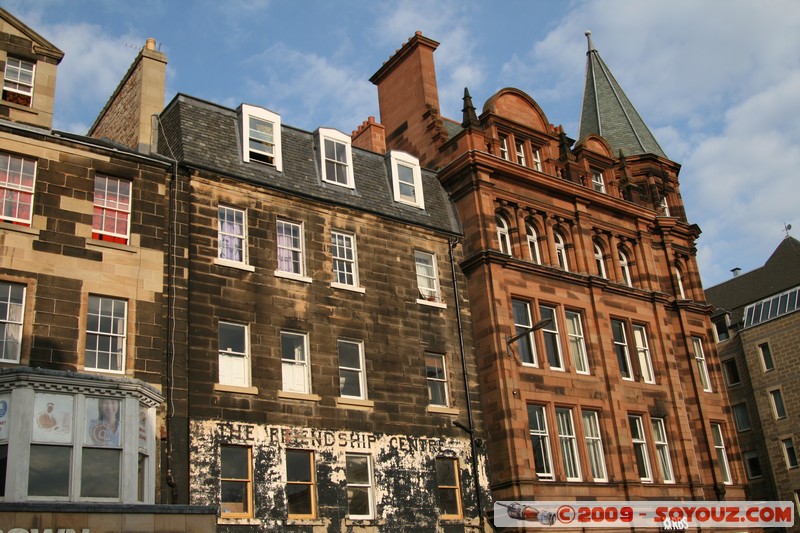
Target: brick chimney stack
(370, 135)
(127, 116)
(408, 99)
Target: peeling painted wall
(404, 477)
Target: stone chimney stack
(408, 99)
(126, 117)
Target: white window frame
(12, 296)
(599, 261)
(337, 137)
(741, 417)
(369, 486)
(639, 441)
(768, 352)
(550, 331)
(576, 341)
(17, 84)
(643, 353)
(503, 237)
(13, 188)
(722, 455)
(664, 205)
(594, 445)
(777, 403)
(679, 281)
(519, 149)
(789, 453)
(537, 159)
(504, 147)
(533, 244)
(561, 251)
(121, 210)
(344, 267)
(224, 234)
(702, 366)
(568, 444)
(522, 323)
(625, 268)
(358, 371)
(541, 433)
(622, 350)
(661, 443)
(229, 358)
(435, 379)
(296, 370)
(398, 159)
(427, 272)
(116, 333)
(598, 184)
(250, 112)
(296, 250)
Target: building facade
(757, 331)
(598, 370)
(82, 266)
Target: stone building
(82, 305)
(598, 370)
(757, 327)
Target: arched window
(561, 251)
(598, 259)
(503, 239)
(625, 267)
(533, 244)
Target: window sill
(19, 229)
(429, 303)
(305, 522)
(355, 403)
(351, 288)
(364, 521)
(239, 521)
(234, 264)
(292, 275)
(441, 410)
(94, 243)
(219, 387)
(288, 395)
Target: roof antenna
(786, 228)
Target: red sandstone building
(598, 370)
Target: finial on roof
(588, 34)
(470, 117)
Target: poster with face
(52, 418)
(103, 422)
(143, 427)
(5, 403)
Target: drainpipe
(470, 428)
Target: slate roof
(207, 136)
(781, 272)
(607, 111)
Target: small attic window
(261, 132)
(336, 157)
(406, 179)
(18, 81)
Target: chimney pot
(151, 44)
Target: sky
(717, 81)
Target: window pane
(357, 469)
(358, 501)
(300, 499)
(234, 462)
(100, 473)
(231, 338)
(234, 497)
(48, 474)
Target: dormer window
(336, 156)
(18, 81)
(261, 131)
(597, 182)
(406, 179)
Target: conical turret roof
(607, 111)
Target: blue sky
(717, 81)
